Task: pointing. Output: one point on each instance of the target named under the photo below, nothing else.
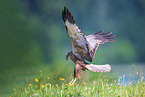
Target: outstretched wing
(98, 38)
(79, 42)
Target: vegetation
(96, 88)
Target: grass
(97, 88)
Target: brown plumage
(84, 47)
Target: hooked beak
(66, 58)
(68, 55)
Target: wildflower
(117, 92)
(41, 85)
(36, 80)
(69, 84)
(30, 84)
(142, 79)
(61, 78)
(84, 83)
(52, 85)
(56, 85)
(36, 86)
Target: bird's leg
(73, 81)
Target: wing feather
(84, 47)
(79, 42)
(98, 38)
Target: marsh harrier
(84, 47)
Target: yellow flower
(117, 92)
(61, 78)
(52, 85)
(30, 84)
(69, 84)
(41, 85)
(36, 80)
(84, 83)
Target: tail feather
(99, 68)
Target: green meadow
(43, 84)
(96, 88)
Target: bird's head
(68, 55)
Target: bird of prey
(84, 47)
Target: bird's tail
(99, 68)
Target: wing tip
(108, 36)
(98, 32)
(66, 15)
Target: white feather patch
(99, 68)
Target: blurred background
(33, 39)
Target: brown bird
(84, 47)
